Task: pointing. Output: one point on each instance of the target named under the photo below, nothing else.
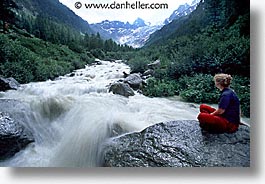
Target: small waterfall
(72, 116)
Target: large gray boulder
(179, 144)
(121, 89)
(16, 116)
(134, 80)
(8, 83)
(13, 136)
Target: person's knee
(203, 106)
(202, 117)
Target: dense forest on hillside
(215, 38)
(37, 44)
(53, 10)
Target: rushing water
(72, 116)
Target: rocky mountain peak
(139, 22)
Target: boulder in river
(179, 144)
(121, 89)
(134, 80)
(8, 83)
(13, 136)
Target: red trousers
(213, 123)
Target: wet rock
(125, 74)
(179, 144)
(121, 89)
(98, 62)
(91, 76)
(13, 136)
(71, 74)
(8, 83)
(134, 80)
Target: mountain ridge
(134, 34)
(54, 10)
(182, 10)
(138, 33)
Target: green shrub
(158, 88)
(30, 59)
(97, 53)
(241, 85)
(199, 88)
(138, 64)
(16, 61)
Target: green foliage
(15, 60)
(209, 52)
(97, 53)
(138, 64)
(199, 88)
(158, 88)
(241, 85)
(31, 59)
(50, 10)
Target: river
(73, 115)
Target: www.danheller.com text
(124, 5)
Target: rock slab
(134, 80)
(179, 144)
(121, 89)
(8, 83)
(13, 136)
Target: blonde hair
(223, 79)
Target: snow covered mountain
(137, 37)
(182, 10)
(133, 35)
(137, 33)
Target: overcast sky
(98, 15)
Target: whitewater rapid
(72, 116)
